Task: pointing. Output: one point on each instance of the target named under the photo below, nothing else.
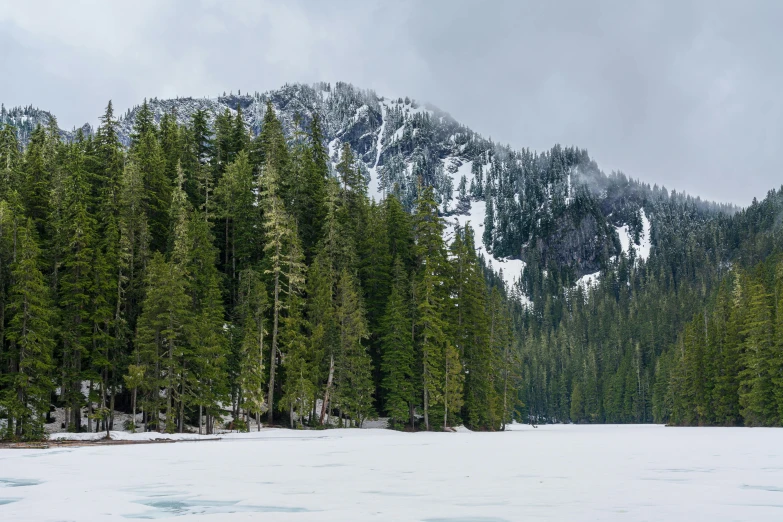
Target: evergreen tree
(398, 357)
(353, 368)
(430, 325)
(239, 216)
(756, 393)
(270, 146)
(77, 286)
(251, 307)
(474, 331)
(197, 162)
(146, 152)
(28, 383)
(285, 270)
(162, 338)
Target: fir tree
(147, 154)
(239, 216)
(250, 311)
(162, 338)
(756, 393)
(353, 374)
(30, 334)
(284, 270)
(429, 322)
(398, 357)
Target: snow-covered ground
(626, 238)
(550, 473)
(589, 280)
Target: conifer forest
(304, 258)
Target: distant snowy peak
(26, 119)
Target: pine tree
(239, 216)
(322, 323)
(110, 158)
(756, 393)
(270, 146)
(77, 286)
(398, 357)
(28, 384)
(37, 177)
(430, 324)
(298, 386)
(474, 331)
(776, 357)
(251, 308)
(10, 159)
(307, 192)
(240, 137)
(133, 252)
(208, 387)
(286, 273)
(399, 231)
(170, 138)
(489, 220)
(197, 162)
(146, 152)
(353, 373)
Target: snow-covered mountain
(554, 211)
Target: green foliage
(28, 383)
(200, 272)
(398, 365)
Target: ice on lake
(549, 473)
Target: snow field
(626, 239)
(551, 473)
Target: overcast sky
(687, 95)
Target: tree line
(688, 336)
(203, 273)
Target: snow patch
(645, 243)
(589, 280)
(511, 268)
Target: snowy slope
(642, 248)
(378, 130)
(511, 268)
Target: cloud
(685, 94)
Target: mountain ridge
(551, 209)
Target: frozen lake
(550, 473)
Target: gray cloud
(683, 94)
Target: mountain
(629, 302)
(553, 210)
(25, 119)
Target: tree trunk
(90, 410)
(505, 386)
(112, 397)
(273, 356)
(426, 407)
(76, 407)
(181, 413)
(133, 407)
(325, 404)
(446, 401)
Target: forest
(221, 269)
(202, 274)
(692, 335)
